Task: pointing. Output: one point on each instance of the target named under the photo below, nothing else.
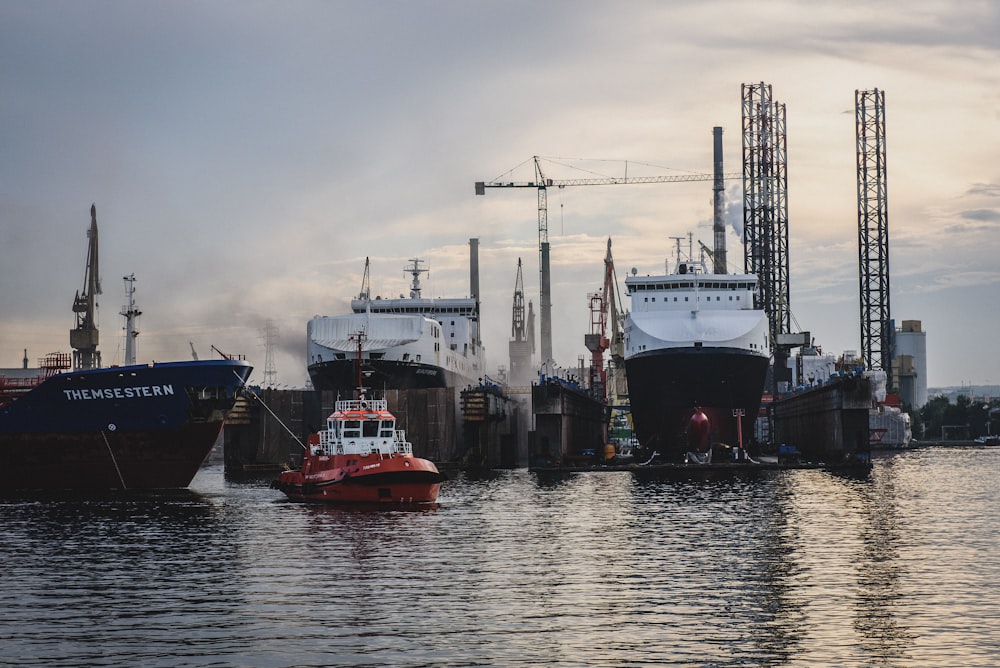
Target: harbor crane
(542, 184)
(85, 336)
(604, 309)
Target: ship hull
(150, 459)
(134, 427)
(341, 376)
(666, 386)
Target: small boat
(361, 458)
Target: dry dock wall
(255, 440)
(570, 426)
(491, 423)
(826, 422)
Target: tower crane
(541, 184)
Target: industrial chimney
(719, 224)
(474, 270)
(474, 286)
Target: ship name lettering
(134, 392)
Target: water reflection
(783, 618)
(884, 637)
(789, 568)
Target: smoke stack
(719, 223)
(474, 270)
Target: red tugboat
(361, 458)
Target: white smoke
(732, 209)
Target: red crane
(603, 304)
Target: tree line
(966, 419)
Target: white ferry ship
(696, 358)
(407, 343)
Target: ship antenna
(677, 265)
(358, 338)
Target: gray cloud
(982, 215)
(246, 157)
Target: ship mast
(366, 288)
(131, 313)
(85, 336)
(359, 338)
(415, 271)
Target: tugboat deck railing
(330, 445)
(363, 404)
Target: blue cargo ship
(132, 427)
(135, 426)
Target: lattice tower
(765, 203)
(270, 341)
(873, 232)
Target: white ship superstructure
(412, 342)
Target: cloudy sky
(245, 157)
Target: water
(793, 568)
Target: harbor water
(788, 568)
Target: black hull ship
(696, 358)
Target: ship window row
(374, 356)
(366, 429)
(424, 310)
(688, 285)
(707, 299)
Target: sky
(246, 157)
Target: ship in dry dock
(409, 343)
(696, 357)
